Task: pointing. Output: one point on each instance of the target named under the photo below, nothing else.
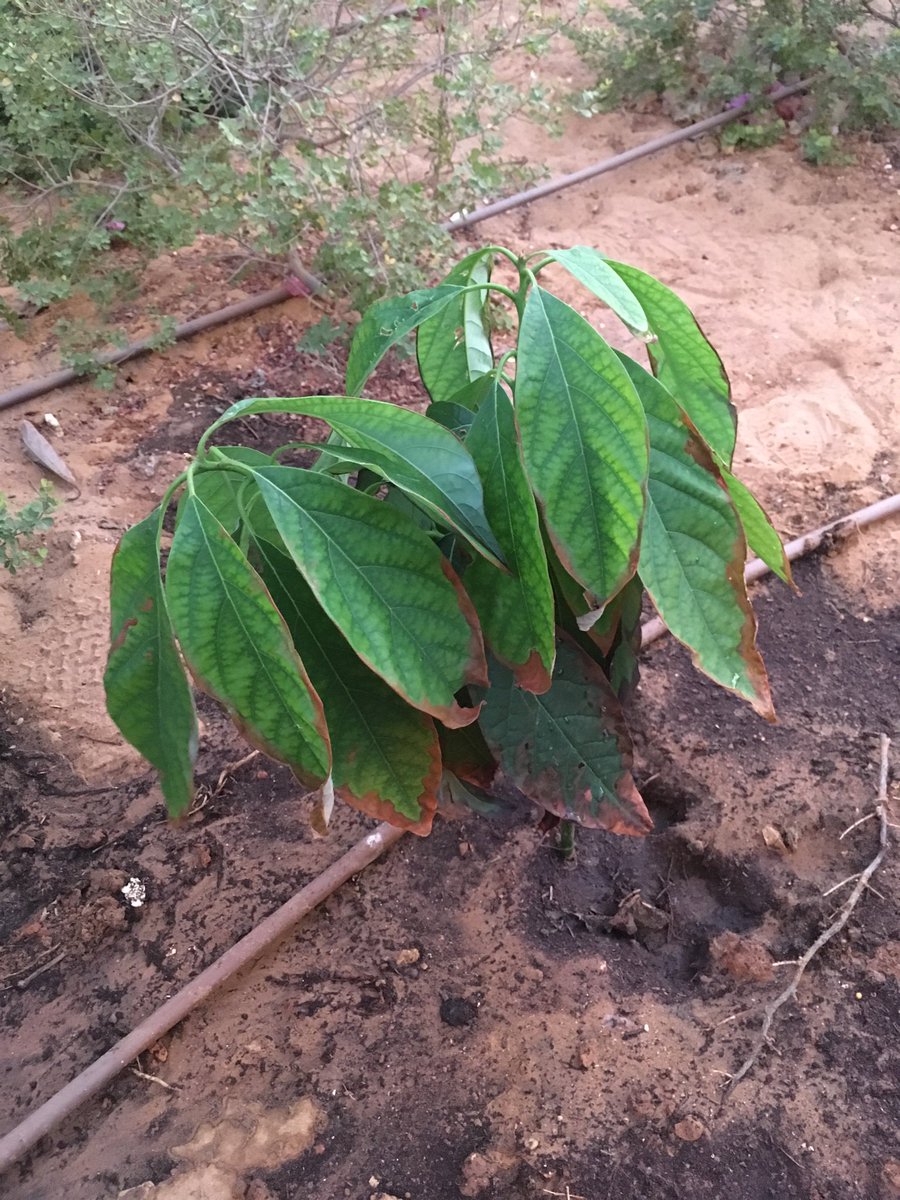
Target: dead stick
(834, 928)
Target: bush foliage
(336, 131)
(699, 55)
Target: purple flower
(739, 101)
(115, 226)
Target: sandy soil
(469, 1017)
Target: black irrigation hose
(38, 387)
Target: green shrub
(444, 595)
(20, 532)
(699, 55)
(139, 126)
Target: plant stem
(565, 843)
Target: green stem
(565, 842)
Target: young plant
(444, 595)
(20, 532)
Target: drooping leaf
(761, 535)
(219, 489)
(567, 750)
(384, 584)
(584, 438)
(685, 362)
(454, 346)
(238, 647)
(386, 323)
(147, 692)
(613, 639)
(516, 610)
(416, 454)
(386, 760)
(592, 270)
(693, 551)
(623, 661)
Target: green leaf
(386, 760)
(238, 648)
(585, 443)
(623, 661)
(455, 417)
(693, 551)
(454, 346)
(759, 530)
(567, 750)
(388, 322)
(219, 489)
(516, 610)
(592, 270)
(384, 584)
(685, 362)
(416, 454)
(147, 692)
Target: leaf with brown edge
(147, 692)
(386, 759)
(238, 647)
(516, 609)
(384, 583)
(693, 551)
(569, 749)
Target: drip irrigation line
(464, 220)
(242, 954)
(49, 1115)
(654, 629)
(312, 284)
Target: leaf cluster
(444, 595)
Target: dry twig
(833, 929)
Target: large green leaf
(147, 692)
(384, 584)
(585, 443)
(238, 647)
(387, 322)
(454, 346)
(685, 362)
(693, 551)
(386, 760)
(592, 270)
(416, 454)
(516, 610)
(761, 535)
(567, 750)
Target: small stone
(407, 958)
(689, 1129)
(587, 1055)
(464, 849)
(744, 958)
(773, 839)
